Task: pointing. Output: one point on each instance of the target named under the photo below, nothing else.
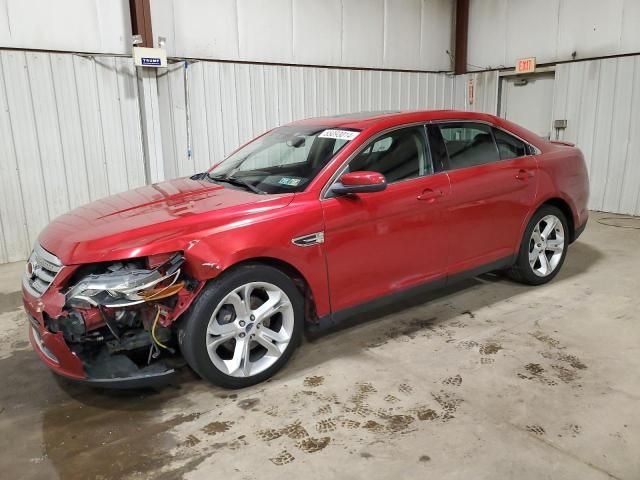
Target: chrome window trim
(343, 167)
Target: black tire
(193, 328)
(522, 271)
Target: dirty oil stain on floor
(282, 458)
(314, 381)
(10, 302)
(490, 348)
(248, 404)
(81, 430)
(312, 445)
(214, 428)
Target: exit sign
(526, 65)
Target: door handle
(430, 195)
(523, 175)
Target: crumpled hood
(151, 219)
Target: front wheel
(243, 327)
(543, 248)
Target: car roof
(380, 120)
(363, 120)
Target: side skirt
(344, 318)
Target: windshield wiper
(238, 182)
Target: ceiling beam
(462, 33)
(141, 21)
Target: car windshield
(283, 160)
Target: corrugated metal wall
(69, 134)
(208, 109)
(392, 34)
(485, 92)
(573, 29)
(600, 100)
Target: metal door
(527, 100)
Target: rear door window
(469, 144)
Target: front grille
(42, 269)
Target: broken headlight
(124, 284)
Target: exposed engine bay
(118, 316)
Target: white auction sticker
(339, 134)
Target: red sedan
(302, 227)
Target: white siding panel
(227, 84)
(630, 191)
(67, 124)
(394, 34)
(599, 99)
(218, 20)
(47, 132)
(197, 98)
(91, 127)
(501, 31)
(173, 124)
(402, 33)
(66, 91)
(228, 104)
(619, 137)
(317, 32)
(101, 26)
(487, 33)
(485, 92)
(362, 32)
(111, 123)
(130, 121)
(14, 236)
(602, 134)
(265, 30)
(25, 139)
(436, 32)
(539, 20)
(595, 31)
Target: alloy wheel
(546, 245)
(250, 329)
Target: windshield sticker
(339, 134)
(292, 182)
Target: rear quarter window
(508, 145)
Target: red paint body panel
(375, 243)
(486, 210)
(384, 242)
(362, 178)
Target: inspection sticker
(292, 182)
(339, 134)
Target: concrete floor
(488, 380)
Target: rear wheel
(543, 248)
(243, 327)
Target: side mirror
(359, 182)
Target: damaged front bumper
(101, 370)
(115, 346)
